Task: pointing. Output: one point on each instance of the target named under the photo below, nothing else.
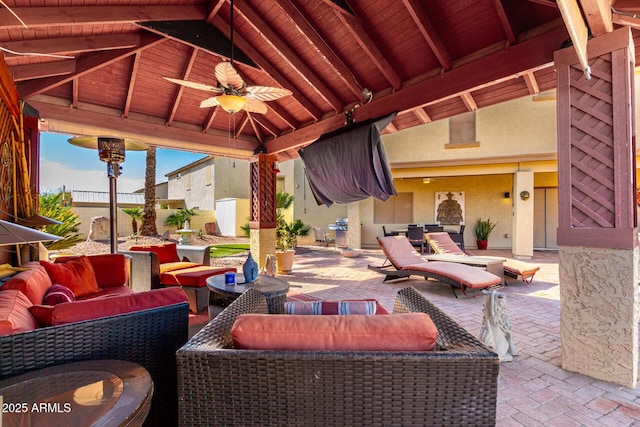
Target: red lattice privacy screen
(263, 192)
(596, 145)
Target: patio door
(545, 218)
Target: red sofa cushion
(396, 332)
(76, 274)
(107, 306)
(110, 269)
(194, 277)
(33, 283)
(167, 252)
(14, 312)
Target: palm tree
(134, 213)
(148, 227)
(52, 206)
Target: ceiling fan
(235, 94)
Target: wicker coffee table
(274, 289)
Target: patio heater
(111, 150)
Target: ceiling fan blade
(228, 76)
(255, 106)
(209, 102)
(194, 85)
(266, 93)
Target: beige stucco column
(522, 225)
(262, 221)
(597, 232)
(355, 229)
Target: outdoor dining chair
(415, 234)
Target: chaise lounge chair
(404, 261)
(441, 243)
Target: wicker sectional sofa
(145, 328)
(218, 385)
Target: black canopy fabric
(349, 164)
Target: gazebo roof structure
(93, 68)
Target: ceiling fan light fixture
(231, 103)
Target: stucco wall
(484, 197)
(124, 220)
(204, 182)
(518, 128)
(599, 306)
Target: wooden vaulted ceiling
(97, 68)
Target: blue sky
(75, 168)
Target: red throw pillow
(77, 274)
(57, 294)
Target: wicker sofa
(219, 385)
(147, 337)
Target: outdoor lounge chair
(404, 261)
(441, 243)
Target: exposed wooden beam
(339, 6)
(469, 102)
(319, 43)
(577, 29)
(273, 72)
(629, 6)
(71, 45)
(43, 17)
(185, 76)
(212, 116)
(550, 3)
(629, 21)
(43, 69)
(86, 64)
(243, 124)
(215, 8)
(598, 16)
(84, 122)
(504, 20)
(283, 49)
(428, 31)
(491, 69)
(531, 82)
(132, 83)
(422, 115)
(391, 128)
(255, 127)
(354, 26)
(74, 97)
(266, 125)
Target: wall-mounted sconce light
(524, 195)
(426, 180)
(507, 195)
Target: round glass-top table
(274, 289)
(91, 393)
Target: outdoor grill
(341, 228)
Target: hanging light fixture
(231, 103)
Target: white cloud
(54, 175)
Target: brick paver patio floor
(533, 389)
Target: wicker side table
(274, 289)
